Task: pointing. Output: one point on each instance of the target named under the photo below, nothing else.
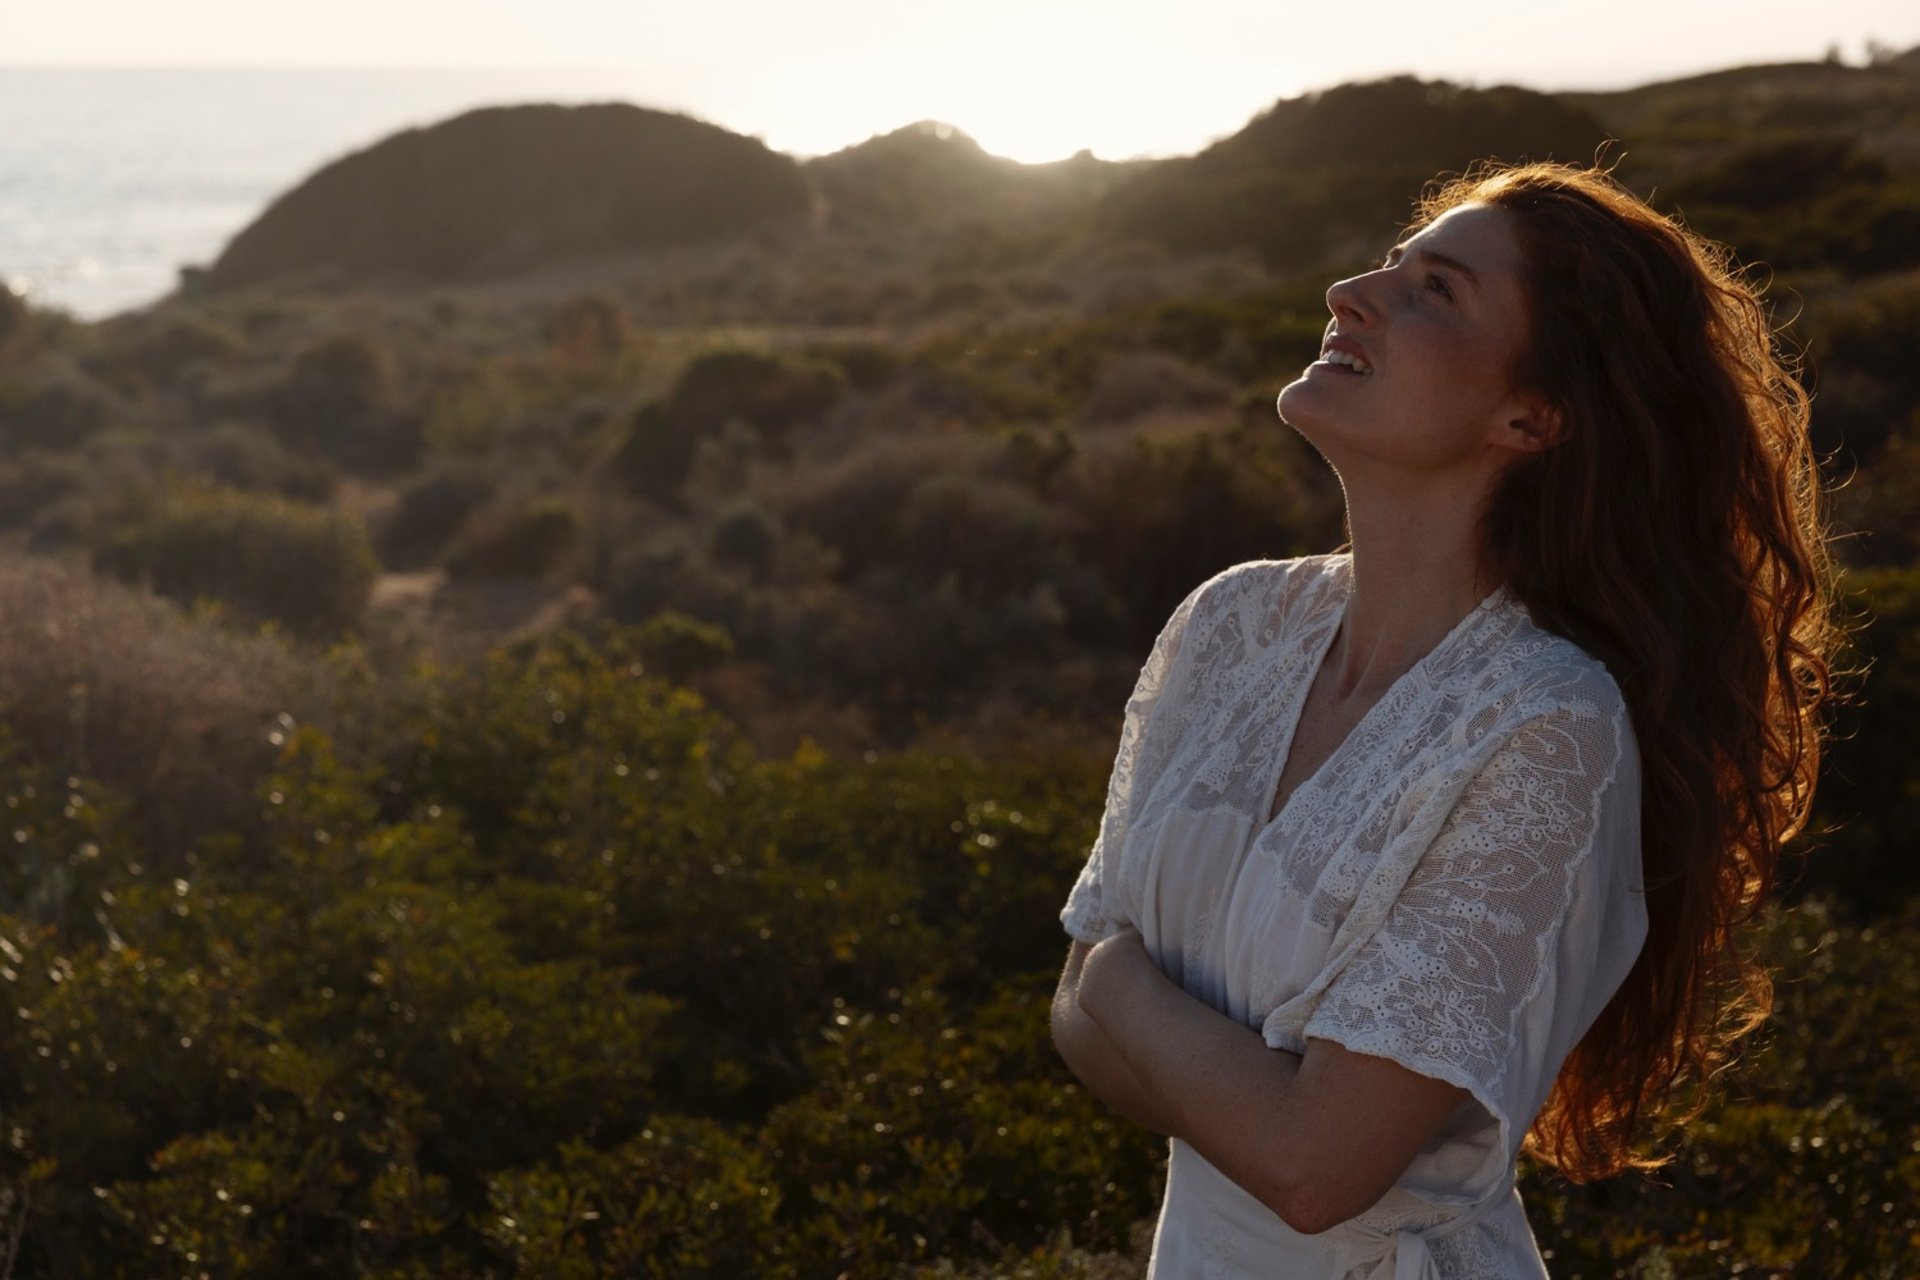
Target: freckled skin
(1441, 405)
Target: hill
(507, 188)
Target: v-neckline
(1298, 703)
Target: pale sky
(1031, 79)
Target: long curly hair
(1676, 533)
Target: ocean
(112, 179)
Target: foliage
(242, 457)
(515, 536)
(588, 328)
(341, 399)
(309, 567)
(430, 510)
(14, 317)
(678, 647)
(536, 970)
(1804, 1164)
(1866, 819)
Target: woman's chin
(1300, 403)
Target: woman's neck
(1417, 572)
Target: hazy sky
(1033, 79)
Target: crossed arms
(1317, 1138)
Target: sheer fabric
(1456, 889)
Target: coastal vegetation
(555, 750)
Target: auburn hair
(1675, 532)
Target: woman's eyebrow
(1438, 259)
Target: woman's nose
(1347, 300)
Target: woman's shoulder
(1270, 589)
(1543, 672)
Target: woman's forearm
(1316, 1138)
(1094, 1059)
(1214, 1082)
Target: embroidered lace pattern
(1091, 912)
(1463, 948)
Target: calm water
(110, 180)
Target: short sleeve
(1515, 927)
(1093, 909)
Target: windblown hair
(1676, 533)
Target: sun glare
(1031, 103)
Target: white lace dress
(1456, 889)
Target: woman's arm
(1317, 1139)
(1093, 1058)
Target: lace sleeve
(1515, 927)
(1093, 911)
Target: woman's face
(1417, 369)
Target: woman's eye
(1439, 285)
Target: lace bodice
(1456, 888)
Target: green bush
(678, 647)
(774, 395)
(589, 328)
(1865, 822)
(515, 537)
(342, 399)
(656, 456)
(240, 456)
(430, 511)
(308, 567)
(151, 352)
(14, 318)
(745, 535)
(35, 480)
(537, 971)
(55, 405)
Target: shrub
(56, 406)
(14, 318)
(994, 537)
(1160, 514)
(1861, 350)
(746, 536)
(866, 366)
(308, 567)
(657, 455)
(467, 415)
(1866, 822)
(342, 399)
(854, 506)
(1133, 384)
(588, 328)
(769, 393)
(36, 480)
(341, 378)
(678, 647)
(172, 713)
(515, 537)
(1880, 506)
(239, 456)
(430, 511)
(157, 350)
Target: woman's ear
(1535, 425)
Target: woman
(1432, 849)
